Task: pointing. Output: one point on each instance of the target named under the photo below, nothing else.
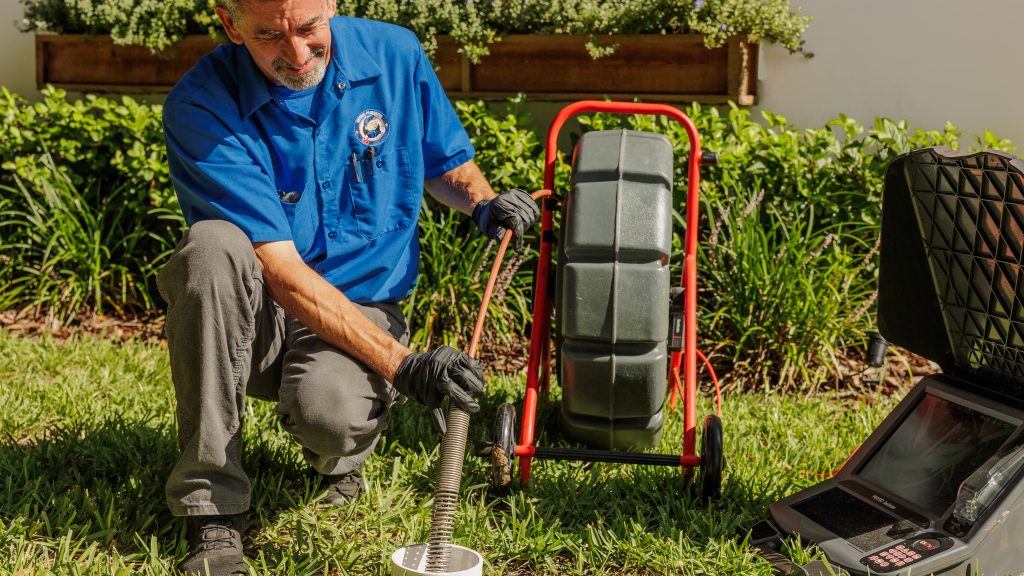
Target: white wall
(926, 61)
(18, 63)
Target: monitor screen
(933, 450)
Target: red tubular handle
(539, 337)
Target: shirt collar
(348, 57)
(252, 87)
(348, 54)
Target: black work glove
(514, 209)
(444, 371)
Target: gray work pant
(228, 339)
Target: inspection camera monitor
(937, 487)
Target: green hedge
(157, 24)
(87, 211)
(788, 233)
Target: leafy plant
(76, 250)
(455, 260)
(784, 300)
(474, 24)
(114, 141)
(89, 204)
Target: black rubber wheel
(503, 449)
(712, 459)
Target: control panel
(901, 554)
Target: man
(299, 153)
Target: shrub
(89, 211)
(74, 250)
(788, 238)
(157, 24)
(92, 140)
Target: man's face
(290, 40)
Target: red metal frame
(540, 337)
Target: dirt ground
(901, 370)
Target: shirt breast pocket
(383, 196)
(299, 208)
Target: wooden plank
(743, 72)
(466, 83)
(97, 64)
(448, 63)
(642, 64)
(750, 74)
(40, 64)
(571, 96)
(734, 70)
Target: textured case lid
(951, 286)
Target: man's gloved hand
(428, 377)
(514, 209)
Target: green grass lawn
(87, 439)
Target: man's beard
(302, 81)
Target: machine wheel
(712, 459)
(503, 450)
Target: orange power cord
(677, 385)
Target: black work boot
(214, 546)
(342, 489)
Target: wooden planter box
(652, 67)
(95, 64)
(546, 67)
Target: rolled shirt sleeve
(445, 142)
(217, 178)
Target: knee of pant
(218, 240)
(335, 426)
(215, 253)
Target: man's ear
(229, 25)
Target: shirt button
(326, 183)
(380, 163)
(341, 85)
(332, 234)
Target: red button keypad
(906, 553)
(893, 558)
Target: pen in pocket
(355, 168)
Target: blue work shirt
(278, 171)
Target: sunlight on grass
(87, 439)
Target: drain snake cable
(453, 446)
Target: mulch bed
(901, 371)
(29, 323)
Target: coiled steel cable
(446, 495)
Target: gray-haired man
(299, 154)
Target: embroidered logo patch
(372, 127)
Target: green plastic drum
(612, 289)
